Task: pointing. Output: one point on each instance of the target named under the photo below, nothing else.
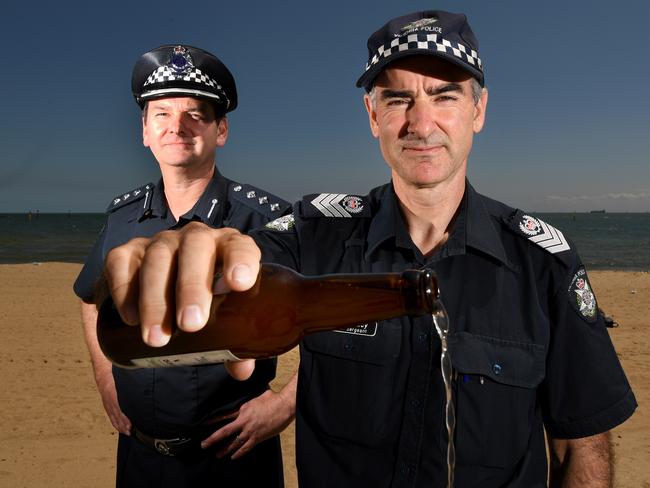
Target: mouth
(418, 149)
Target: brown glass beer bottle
(272, 317)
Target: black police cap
(431, 32)
(179, 70)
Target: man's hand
(108, 393)
(171, 277)
(257, 420)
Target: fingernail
(192, 318)
(156, 337)
(203, 445)
(241, 274)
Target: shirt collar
(474, 226)
(208, 208)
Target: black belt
(167, 447)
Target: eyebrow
(447, 87)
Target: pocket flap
(508, 362)
(375, 343)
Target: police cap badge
(179, 70)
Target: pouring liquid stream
(441, 322)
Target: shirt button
(497, 369)
(404, 469)
(422, 338)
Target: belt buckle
(162, 447)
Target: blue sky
(567, 122)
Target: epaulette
(261, 201)
(334, 205)
(129, 197)
(540, 233)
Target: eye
(394, 102)
(446, 98)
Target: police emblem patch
(530, 225)
(180, 61)
(419, 24)
(283, 224)
(582, 297)
(353, 204)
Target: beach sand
(55, 433)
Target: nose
(177, 124)
(420, 118)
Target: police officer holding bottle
(534, 370)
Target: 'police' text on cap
(432, 32)
(179, 70)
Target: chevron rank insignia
(581, 296)
(544, 235)
(338, 205)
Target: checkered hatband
(429, 42)
(164, 74)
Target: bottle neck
(350, 299)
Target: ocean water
(618, 241)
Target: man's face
(183, 132)
(425, 119)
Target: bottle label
(189, 359)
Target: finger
(229, 430)
(240, 370)
(157, 277)
(121, 277)
(243, 448)
(196, 268)
(240, 259)
(202, 251)
(233, 446)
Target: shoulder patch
(539, 232)
(581, 296)
(259, 200)
(334, 205)
(282, 224)
(131, 196)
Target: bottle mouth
(425, 282)
(429, 288)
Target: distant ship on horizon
(597, 211)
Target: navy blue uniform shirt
(171, 402)
(529, 348)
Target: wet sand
(55, 432)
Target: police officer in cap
(163, 414)
(532, 359)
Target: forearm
(101, 365)
(288, 396)
(581, 462)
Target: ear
(372, 116)
(145, 132)
(479, 111)
(222, 131)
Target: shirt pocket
(496, 397)
(349, 382)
